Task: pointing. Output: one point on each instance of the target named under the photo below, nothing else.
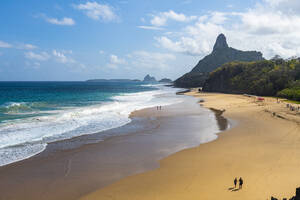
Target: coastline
(76, 167)
(261, 147)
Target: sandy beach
(262, 147)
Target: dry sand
(262, 148)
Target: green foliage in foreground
(264, 78)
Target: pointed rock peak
(149, 78)
(221, 42)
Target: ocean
(33, 114)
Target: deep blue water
(27, 99)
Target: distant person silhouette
(235, 182)
(241, 183)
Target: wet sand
(262, 147)
(74, 168)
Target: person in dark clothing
(241, 183)
(235, 182)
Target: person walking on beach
(235, 182)
(241, 183)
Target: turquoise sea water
(32, 114)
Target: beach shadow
(233, 189)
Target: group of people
(293, 108)
(158, 107)
(241, 182)
(290, 106)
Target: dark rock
(297, 197)
(183, 92)
(165, 80)
(149, 78)
(220, 55)
(221, 42)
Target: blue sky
(79, 40)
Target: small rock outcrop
(149, 78)
(165, 80)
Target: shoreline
(69, 169)
(260, 147)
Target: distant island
(113, 80)
(220, 55)
(165, 80)
(149, 78)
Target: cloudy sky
(84, 39)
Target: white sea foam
(23, 138)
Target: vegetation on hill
(264, 78)
(293, 92)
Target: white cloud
(17, 46)
(101, 52)
(151, 60)
(272, 27)
(142, 60)
(96, 11)
(186, 1)
(150, 27)
(67, 51)
(66, 21)
(43, 56)
(58, 56)
(218, 17)
(37, 64)
(196, 39)
(116, 60)
(61, 57)
(5, 45)
(185, 45)
(162, 18)
(34, 65)
(26, 46)
(292, 6)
